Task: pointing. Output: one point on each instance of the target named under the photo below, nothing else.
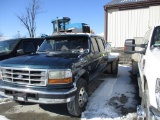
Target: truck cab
(148, 72)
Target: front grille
(24, 76)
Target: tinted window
(156, 37)
(100, 44)
(94, 44)
(7, 45)
(27, 47)
(92, 50)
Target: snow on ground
(3, 118)
(112, 98)
(2, 101)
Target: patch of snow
(4, 100)
(112, 95)
(3, 118)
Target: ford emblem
(20, 76)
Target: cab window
(100, 44)
(94, 45)
(27, 46)
(156, 37)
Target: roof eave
(133, 5)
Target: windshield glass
(64, 44)
(7, 45)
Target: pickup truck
(59, 72)
(148, 62)
(20, 46)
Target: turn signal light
(60, 81)
(124, 48)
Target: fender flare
(81, 73)
(113, 57)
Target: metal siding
(154, 15)
(126, 24)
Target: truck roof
(74, 34)
(17, 39)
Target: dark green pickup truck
(59, 72)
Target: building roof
(130, 4)
(116, 2)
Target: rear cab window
(95, 46)
(100, 45)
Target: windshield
(65, 44)
(7, 45)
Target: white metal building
(129, 18)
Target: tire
(115, 67)
(112, 68)
(77, 106)
(109, 69)
(20, 102)
(145, 102)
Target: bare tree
(29, 18)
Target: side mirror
(20, 51)
(108, 48)
(129, 46)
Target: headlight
(157, 92)
(60, 77)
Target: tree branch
(29, 19)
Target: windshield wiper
(43, 51)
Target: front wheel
(77, 106)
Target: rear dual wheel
(112, 68)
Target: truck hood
(42, 61)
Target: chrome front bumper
(37, 95)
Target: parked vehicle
(148, 62)
(63, 25)
(16, 47)
(59, 72)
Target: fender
(80, 74)
(113, 57)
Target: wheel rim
(83, 97)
